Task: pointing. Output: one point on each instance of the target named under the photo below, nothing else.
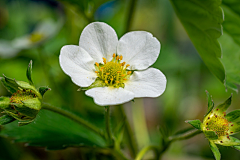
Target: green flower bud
(219, 126)
(25, 102)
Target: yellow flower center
(113, 73)
(21, 95)
(218, 124)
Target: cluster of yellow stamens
(113, 73)
(21, 95)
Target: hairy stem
(183, 136)
(130, 138)
(107, 124)
(145, 150)
(73, 117)
(131, 10)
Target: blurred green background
(37, 29)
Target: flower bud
(25, 102)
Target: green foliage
(210, 103)
(195, 123)
(54, 132)
(233, 116)
(211, 135)
(202, 20)
(5, 119)
(29, 73)
(215, 150)
(224, 106)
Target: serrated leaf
(202, 21)
(215, 150)
(29, 73)
(210, 103)
(5, 119)
(53, 131)
(211, 135)
(230, 42)
(232, 116)
(195, 123)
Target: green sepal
(235, 128)
(210, 103)
(33, 103)
(228, 142)
(215, 150)
(25, 85)
(5, 119)
(43, 90)
(232, 116)
(25, 111)
(97, 83)
(224, 106)
(211, 135)
(195, 123)
(4, 102)
(29, 73)
(9, 84)
(236, 140)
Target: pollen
(21, 95)
(113, 73)
(218, 124)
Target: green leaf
(29, 73)
(54, 132)
(202, 20)
(5, 119)
(232, 116)
(210, 103)
(211, 135)
(224, 106)
(43, 90)
(9, 84)
(235, 140)
(231, 42)
(4, 102)
(195, 123)
(215, 150)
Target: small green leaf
(33, 103)
(210, 103)
(215, 150)
(195, 123)
(233, 116)
(236, 140)
(29, 73)
(43, 90)
(211, 135)
(224, 106)
(4, 102)
(9, 84)
(5, 119)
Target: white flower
(114, 72)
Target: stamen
(114, 55)
(127, 65)
(129, 72)
(104, 60)
(96, 72)
(121, 57)
(97, 64)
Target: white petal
(139, 49)
(78, 64)
(99, 40)
(147, 83)
(105, 96)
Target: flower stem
(130, 138)
(73, 117)
(179, 137)
(184, 136)
(131, 10)
(145, 150)
(107, 124)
